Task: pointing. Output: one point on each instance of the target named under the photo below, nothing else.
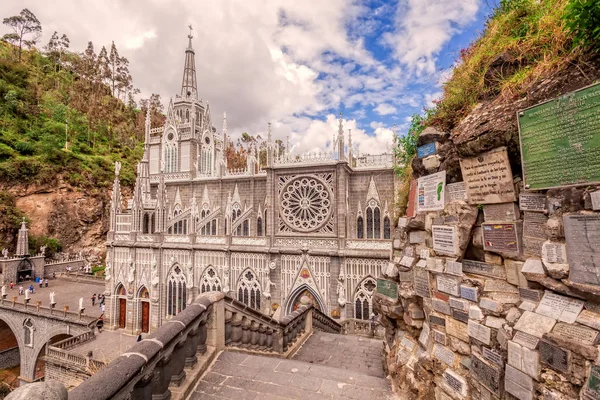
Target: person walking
(41, 283)
(102, 308)
(94, 300)
(21, 290)
(31, 289)
(54, 275)
(12, 285)
(46, 282)
(139, 338)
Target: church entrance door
(122, 312)
(145, 317)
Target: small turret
(23, 241)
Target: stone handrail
(148, 368)
(57, 314)
(361, 327)
(249, 329)
(324, 323)
(74, 341)
(66, 358)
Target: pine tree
(26, 23)
(114, 62)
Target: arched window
(213, 227)
(360, 227)
(386, 228)
(170, 157)
(259, 231)
(246, 228)
(146, 224)
(28, 332)
(362, 299)
(153, 224)
(265, 223)
(373, 220)
(143, 293)
(176, 292)
(249, 290)
(210, 281)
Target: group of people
(100, 299)
(30, 288)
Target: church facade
(316, 225)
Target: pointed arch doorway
(304, 290)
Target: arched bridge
(33, 327)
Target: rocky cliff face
(498, 293)
(78, 219)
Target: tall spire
(188, 85)
(23, 240)
(340, 140)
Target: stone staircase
(327, 366)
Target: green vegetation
(582, 18)
(66, 115)
(53, 245)
(10, 216)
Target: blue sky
(295, 64)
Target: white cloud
(424, 26)
(385, 109)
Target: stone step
(242, 376)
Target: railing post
(236, 329)
(246, 334)
(202, 334)
(228, 327)
(262, 336)
(254, 334)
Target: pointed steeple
(236, 195)
(340, 140)
(205, 198)
(23, 240)
(178, 198)
(188, 85)
(350, 145)
(372, 193)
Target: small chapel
(315, 225)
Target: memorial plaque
(583, 247)
(489, 304)
(496, 285)
(554, 356)
(468, 292)
(487, 374)
(576, 333)
(526, 340)
(460, 315)
(532, 202)
(562, 308)
(565, 129)
(454, 268)
(406, 276)
(430, 192)
(501, 238)
(427, 150)
(492, 356)
(589, 318)
(479, 332)
(411, 206)
(443, 354)
(488, 178)
(532, 247)
(424, 253)
(407, 261)
(591, 390)
(459, 304)
(444, 239)
(416, 237)
(435, 320)
(535, 324)
(485, 269)
(448, 284)
(456, 382)
(435, 264)
(387, 288)
(554, 252)
(513, 272)
(501, 212)
(421, 283)
(441, 306)
(457, 329)
(456, 192)
(530, 294)
(534, 225)
(439, 337)
(523, 380)
(424, 335)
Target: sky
(294, 63)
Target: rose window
(306, 204)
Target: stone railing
(323, 323)
(249, 329)
(64, 358)
(362, 327)
(52, 313)
(82, 276)
(74, 341)
(307, 158)
(375, 161)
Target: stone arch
(176, 283)
(210, 280)
(119, 310)
(14, 329)
(57, 334)
(296, 294)
(142, 299)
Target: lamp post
(66, 135)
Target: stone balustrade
(53, 313)
(323, 323)
(75, 341)
(362, 327)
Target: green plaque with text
(560, 141)
(387, 288)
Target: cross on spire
(188, 85)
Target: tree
(56, 48)
(26, 23)
(114, 63)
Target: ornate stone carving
(306, 203)
(249, 241)
(368, 245)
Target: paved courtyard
(349, 352)
(107, 346)
(67, 293)
(249, 377)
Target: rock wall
(498, 286)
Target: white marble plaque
(457, 329)
(492, 356)
(424, 254)
(489, 304)
(588, 318)
(497, 285)
(421, 283)
(443, 354)
(444, 239)
(535, 324)
(441, 306)
(456, 192)
(430, 192)
(488, 177)
(424, 335)
(582, 233)
(562, 308)
(448, 284)
(456, 382)
(595, 197)
(468, 292)
(459, 304)
(576, 333)
(553, 252)
(454, 268)
(479, 332)
(439, 337)
(416, 237)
